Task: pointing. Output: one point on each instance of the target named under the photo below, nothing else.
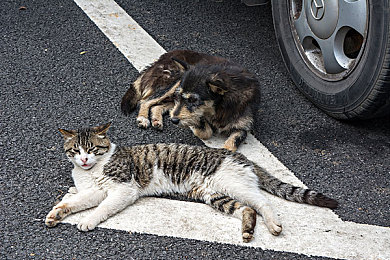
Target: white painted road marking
(306, 229)
(125, 33)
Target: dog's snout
(175, 120)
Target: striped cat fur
(113, 178)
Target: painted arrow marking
(307, 230)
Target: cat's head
(85, 147)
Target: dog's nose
(175, 120)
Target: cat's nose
(84, 160)
(175, 120)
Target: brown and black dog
(203, 92)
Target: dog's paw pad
(143, 122)
(157, 124)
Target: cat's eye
(72, 151)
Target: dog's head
(201, 87)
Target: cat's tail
(130, 100)
(292, 193)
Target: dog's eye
(192, 99)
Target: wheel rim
(330, 34)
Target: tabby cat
(113, 178)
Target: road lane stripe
(125, 33)
(307, 230)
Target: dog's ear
(217, 85)
(183, 66)
(217, 89)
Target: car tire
(361, 90)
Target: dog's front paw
(158, 124)
(56, 215)
(203, 134)
(87, 224)
(230, 146)
(143, 122)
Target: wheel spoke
(302, 27)
(330, 33)
(353, 13)
(332, 63)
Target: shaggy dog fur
(203, 92)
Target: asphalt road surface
(57, 69)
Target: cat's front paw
(143, 122)
(58, 213)
(87, 224)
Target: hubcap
(317, 9)
(330, 34)
(323, 17)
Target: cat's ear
(68, 134)
(101, 131)
(183, 66)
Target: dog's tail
(130, 100)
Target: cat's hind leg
(229, 206)
(70, 204)
(265, 210)
(254, 198)
(240, 182)
(257, 201)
